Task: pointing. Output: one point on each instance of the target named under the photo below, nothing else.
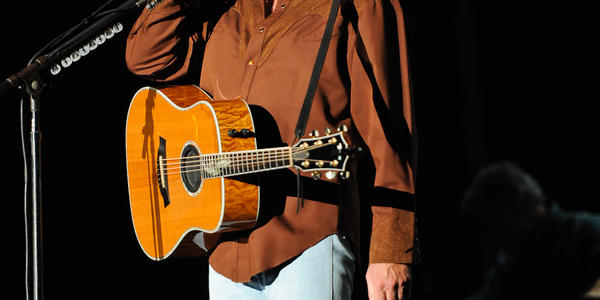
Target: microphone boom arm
(62, 54)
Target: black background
(492, 81)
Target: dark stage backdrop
(492, 81)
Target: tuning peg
(330, 175)
(342, 128)
(314, 133)
(345, 175)
(328, 131)
(316, 175)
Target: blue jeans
(323, 271)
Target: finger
(390, 294)
(380, 295)
(401, 292)
(375, 294)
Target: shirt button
(251, 63)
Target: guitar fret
(231, 164)
(243, 165)
(270, 159)
(220, 166)
(211, 169)
(249, 159)
(255, 161)
(282, 155)
(240, 166)
(211, 165)
(202, 167)
(205, 166)
(208, 166)
(226, 167)
(231, 167)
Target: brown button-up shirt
(268, 61)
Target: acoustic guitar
(185, 153)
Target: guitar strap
(312, 86)
(316, 73)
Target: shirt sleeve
(381, 109)
(160, 45)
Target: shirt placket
(255, 47)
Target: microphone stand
(30, 80)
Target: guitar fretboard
(237, 163)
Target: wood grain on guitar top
(242, 198)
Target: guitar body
(170, 208)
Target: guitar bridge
(163, 183)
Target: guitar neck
(241, 162)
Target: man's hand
(386, 281)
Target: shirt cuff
(392, 236)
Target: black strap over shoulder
(316, 73)
(312, 86)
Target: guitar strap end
(300, 192)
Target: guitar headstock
(329, 153)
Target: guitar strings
(249, 167)
(208, 173)
(232, 156)
(217, 156)
(248, 155)
(295, 150)
(198, 166)
(248, 152)
(246, 162)
(243, 164)
(233, 162)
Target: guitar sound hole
(190, 169)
